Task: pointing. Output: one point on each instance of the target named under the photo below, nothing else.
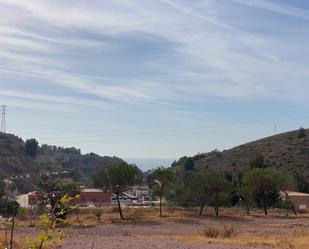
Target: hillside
(288, 152)
(67, 162)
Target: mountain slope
(288, 152)
(14, 162)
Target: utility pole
(3, 122)
(141, 196)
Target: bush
(8, 207)
(98, 213)
(31, 147)
(301, 133)
(211, 232)
(228, 231)
(115, 209)
(22, 213)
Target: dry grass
(281, 241)
(19, 242)
(296, 237)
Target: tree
(160, 179)
(217, 190)
(189, 164)
(8, 208)
(2, 187)
(302, 183)
(264, 184)
(198, 188)
(258, 162)
(117, 179)
(181, 195)
(52, 191)
(287, 182)
(70, 188)
(301, 133)
(31, 147)
(233, 194)
(245, 193)
(49, 232)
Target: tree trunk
(202, 208)
(287, 197)
(217, 204)
(203, 203)
(119, 207)
(41, 244)
(141, 194)
(265, 209)
(12, 232)
(248, 210)
(217, 210)
(77, 217)
(6, 236)
(161, 195)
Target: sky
(154, 78)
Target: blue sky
(154, 78)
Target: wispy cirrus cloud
(229, 61)
(276, 7)
(154, 63)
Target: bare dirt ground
(182, 230)
(185, 233)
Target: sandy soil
(165, 234)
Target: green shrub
(98, 213)
(115, 209)
(8, 207)
(22, 213)
(211, 232)
(229, 231)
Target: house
(93, 196)
(88, 196)
(299, 200)
(27, 200)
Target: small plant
(22, 213)
(211, 232)
(114, 209)
(297, 232)
(5, 224)
(98, 213)
(31, 217)
(49, 233)
(228, 231)
(8, 209)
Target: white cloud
(60, 99)
(221, 60)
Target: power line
(3, 121)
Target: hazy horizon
(150, 163)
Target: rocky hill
(288, 152)
(66, 162)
